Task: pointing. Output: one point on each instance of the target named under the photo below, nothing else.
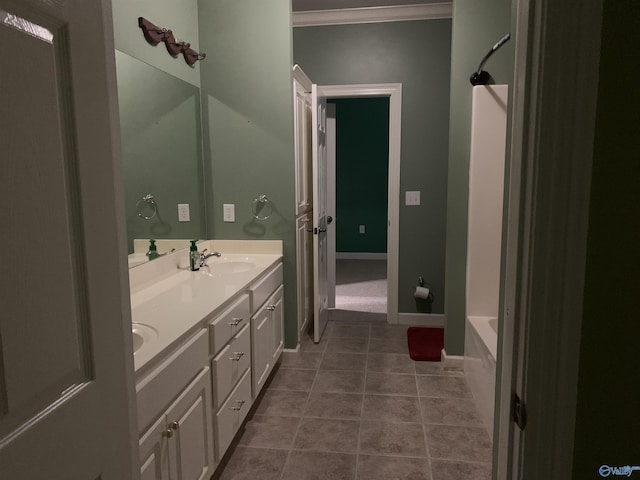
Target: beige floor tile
(305, 465)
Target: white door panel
(66, 369)
(331, 204)
(319, 167)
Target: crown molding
(347, 16)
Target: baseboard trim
(360, 256)
(292, 350)
(421, 319)
(451, 361)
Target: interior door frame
(394, 92)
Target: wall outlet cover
(183, 212)
(229, 212)
(412, 198)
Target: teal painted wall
(247, 94)
(607, 419)
(416, 54)
(477, 26)
(362, 168)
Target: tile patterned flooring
(356, 407)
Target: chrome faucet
(206, 256)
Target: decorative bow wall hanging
(154, 35)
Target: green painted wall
(416, 54)
(247, 94)
(362, 168)
(477, 26)
(607, 419)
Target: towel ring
(146, 203)
(259, 204)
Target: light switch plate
(412, 198)
(229, 212)
(183, 212)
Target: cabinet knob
(237, 356)
(270, 307)
(239, 404)
(168, 433)
(235, 321)
(174, 425)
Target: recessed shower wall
(486, 189)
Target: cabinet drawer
(229, 365)
(232, 413)
(229, 323)
(263, 289)
(159, 387)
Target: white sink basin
(227, 267)
(142, 334)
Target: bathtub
(480, 346)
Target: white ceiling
(304, 5)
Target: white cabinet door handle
(237, 356)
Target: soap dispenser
(194, 256)
(153, 251)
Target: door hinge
(519, 412)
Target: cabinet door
(261, 341)
(154, 458)
(302, 120)
(274, 305)
(303, 266)
(191, 445)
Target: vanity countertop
(172, 301)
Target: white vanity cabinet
(195, 377)
(230, 347)
(267, 324)
(174, 415)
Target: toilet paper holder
(419, 291)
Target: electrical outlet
(361, 229)
(412, 198)
(229, 212)
(183, 212)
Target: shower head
(480, 77)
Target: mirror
(161, 152)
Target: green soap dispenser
(194, 256)
(153, 251)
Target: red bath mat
(425, 343)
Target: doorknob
(329, 219)
(322, 230)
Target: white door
(319, 167)
(66, 363)
(331, 203)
